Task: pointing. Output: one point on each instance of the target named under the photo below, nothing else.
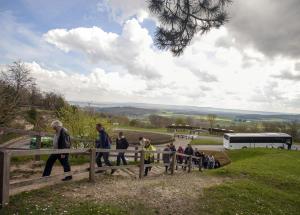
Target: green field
(265, 181)
(207, 142)
(162, 130)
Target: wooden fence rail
(6, 155)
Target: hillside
(141, 109)
(252, 184)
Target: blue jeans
(105, 156)
(120, 156)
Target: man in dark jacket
(121, 143)
(188, 151)
(103, 142)
(61, 140)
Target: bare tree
(181, 19)
(17, 76)
(12, 81)
(211, 119)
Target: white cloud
(213, 71)
(121, 10)
(201, 76)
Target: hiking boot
(68, 178)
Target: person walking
(121, 143)
(149, 156)
(188, 151)
(103, 142)
(179, 157)
(197, 154)
(61, 140)
(166, 157)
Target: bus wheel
(279, 147)
(244, 147)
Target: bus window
(226, 137)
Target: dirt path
(165, 194)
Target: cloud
(130, 49)
(287, 75)
(121, 10)
(297, 66)
(270, 26)
(202, 75)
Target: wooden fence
(7, 154)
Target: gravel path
(165, 194)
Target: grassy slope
(207, 142)
(265, 182)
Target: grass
(45, 201)
(52, 200)
(259, 181)
(162, 130)
(206, 142)
(265, 181)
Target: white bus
(252, 140)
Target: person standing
(103, 142)
(173, 150)
(121, 143)
(61, 140)
(149, 156)
(188, 151)
(180, 157)
(166, 157)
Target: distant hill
(139, 109)
(127, 111)
(260, 117)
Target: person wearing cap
(61, 140)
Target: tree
(81, 124)
(17, 76)
(13, 81)
(54, 101)
(182, 19)
(211, 119)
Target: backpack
(67, 139)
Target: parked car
(46, 142)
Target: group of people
(185, 136)
(62, 140)
(207, 161)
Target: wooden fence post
(92, 165)
(173, 162)
(142, 159)
(4, 177)
(136, 154)
(38, 146)
(190, 163)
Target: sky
(103, 51)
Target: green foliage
(264, 181)
(81, 123)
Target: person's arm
(126, 143)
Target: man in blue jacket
(103, 142)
